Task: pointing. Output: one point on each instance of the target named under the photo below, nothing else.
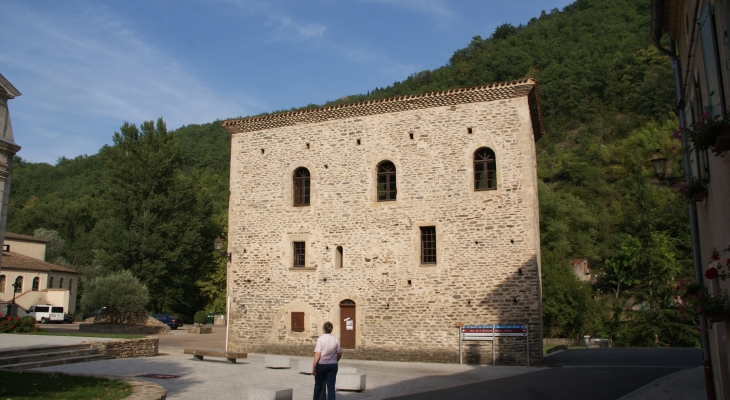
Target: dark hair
(328, 327)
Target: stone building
(395, 219)
(8, 148)
(36, 281)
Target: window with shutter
(710, 58)
(297, 322)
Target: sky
(86, 67)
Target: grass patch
(38, 385)
(91, 334)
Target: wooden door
(348, 324)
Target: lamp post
(659, 164)
(12, 303)
(218, 246)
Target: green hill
(607, 101)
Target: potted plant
(199, 319)
(696, 190)
(695, 297)
(711, 132)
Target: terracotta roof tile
(495, 91)
(17, 261)
(17, 236)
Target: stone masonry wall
(487, 269)
(144, 347)
(125, 329)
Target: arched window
(301, 187)
(387, 190)
(60, 283)
(19, 284)
(485, 169)
(70, 286)
(50, 283)
(36, 284)
(2, 283)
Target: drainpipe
(657, 24)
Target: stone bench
(354, 382)
(230, 356)
(276, 362)
(305, 366)
(270, 393)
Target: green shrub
(18, 325)
(121, 293)
(200, 317)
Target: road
(596, 374)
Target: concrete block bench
(230, 356)
(354, 382)
(270, 393)
(276, 362)
(305, 366)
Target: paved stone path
(9, 341)
(216, 379)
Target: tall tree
(158, 225)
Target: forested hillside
(606, 96)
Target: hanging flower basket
(710, 133)
(722, 143)
(696, 190)
(718, 316)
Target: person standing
(327, 353)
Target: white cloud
(91, 68)
(437, 8)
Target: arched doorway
(348, 324)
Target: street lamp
(218, 246)
(659, 164)
(15, 286)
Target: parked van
(45, 313)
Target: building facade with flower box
(699, 49)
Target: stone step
(50, 355)
(50, 363)
(48, 349)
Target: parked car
(45, 313)
(93, 313)
(68, 318)
(172, 322)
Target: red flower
(711, 273)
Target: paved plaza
(215, 379)
(643, 374)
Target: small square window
(428, 245)
(299, 254)
(297, 322)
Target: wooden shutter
(710, 57)
(297, 322)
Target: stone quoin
(395, 219)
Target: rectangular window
(297, 322)
(57, 309)
(428, 245)
(299, 254)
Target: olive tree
(124, 297)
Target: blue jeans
(325, 372)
